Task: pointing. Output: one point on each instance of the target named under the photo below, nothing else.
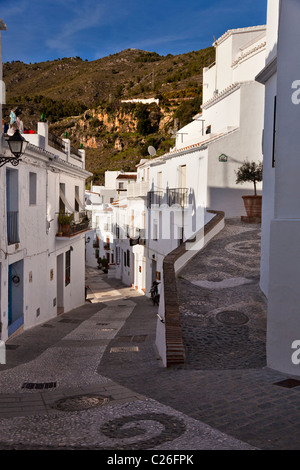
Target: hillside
(84, 99)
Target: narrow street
(57, 390)
(91, 378)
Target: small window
(118, 255)
(208, 130)
(32, 189)
(128, 258)
(76, 205)
(125, 257)
(68, 268)
(155, 230)
(121, 185)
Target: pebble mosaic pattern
(224, 327)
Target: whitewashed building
(168, 202)
(229, 129)
(42, 271)
(280, 261)
(110, 238)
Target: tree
(250, 171)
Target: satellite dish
(151, 151)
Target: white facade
(168, 201)
(110, 238)
(231, 122)
(41, 272)
(268, 77)
(280, 263)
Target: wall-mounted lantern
(17, 145)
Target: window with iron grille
(68, 268)
(117, 255)
(32, 188)
(128, 258)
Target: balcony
(107, 227)
(71, 224)
(138, 237)
(12, 228)
(75, 152)
(56, 142)
(154, 198)
(178, 196)
(139, 189)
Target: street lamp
(17, 145)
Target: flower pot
(65, 229)
(253, 206)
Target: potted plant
(251, 172)
(64, 221)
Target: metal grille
(288, 383)
(154, 198)
(39, 386)
(178, 196)
(75, 152)
(56, 142)
(125, 349)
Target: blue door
(15, 297)
(9, 295)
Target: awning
(65, 201)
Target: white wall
(209, 82)
(224, 113)
(38, 246)
(284, 273)
(268, 182)
(272, 30)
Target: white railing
(139, 189)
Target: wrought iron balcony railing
(154, 198)
(178, 196)
(56, 142)
(75, 152)
(71, 223)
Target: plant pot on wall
(253, 206)
(251, 172)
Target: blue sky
(39, 30)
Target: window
(62, 190)
(121, 185)
(32, 189)
(155, 230)
(208, 130)
(68, 268)
(118, 255)
(274, 132)
(159, 180)
(125, 258)
(76, 205)
(128, 258)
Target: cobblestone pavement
(223, 313)
(55, 396)
(108, 389)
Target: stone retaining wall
(174, 348)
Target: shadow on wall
(228, 200)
